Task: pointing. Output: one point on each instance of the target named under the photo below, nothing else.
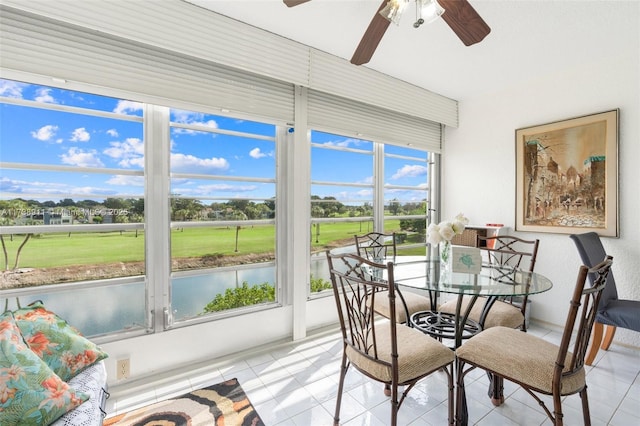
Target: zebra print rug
(221, 404)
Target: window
(406, 197)
(74, 209)
(72, 203)
(152, 217)
(344, 186)
(341, 197)
(223, 192)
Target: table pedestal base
(443, 325)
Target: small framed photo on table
(466, 259)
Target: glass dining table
(492, 283)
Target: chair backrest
(355, 291)
(507, 250)
(592, 252)
(582, 311)
(376, 246)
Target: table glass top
(491, 281)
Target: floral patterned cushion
(30, 393)
(60, 345)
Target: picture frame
(567, 176)
(466, 259)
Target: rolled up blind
(40, 45)
(340, 115)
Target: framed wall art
(567, 176)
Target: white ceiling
(529, 39)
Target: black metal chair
(380, 248)
(539, 366)
(612, 312)
(501, 250)
(380, 348)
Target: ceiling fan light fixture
(393, 10)
(428, 11)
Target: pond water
(102, 310)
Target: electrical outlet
(122, 366)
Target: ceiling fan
(461, 17)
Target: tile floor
(296, 383)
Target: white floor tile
(296, 385)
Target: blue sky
(61, 138)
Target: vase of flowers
(441, 234)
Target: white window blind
(40, 45)
(178, 26)
(361, 105)
(345, 116)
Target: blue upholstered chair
(612, 312)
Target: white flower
(446, 230)
(433, 234)
(458, 227)
(460, 218)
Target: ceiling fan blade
(291, 3)
(464, 21)
(371, 38)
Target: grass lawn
(89, 248)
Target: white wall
(155, 355)
(479, 161)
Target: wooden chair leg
(394, 404)
(343, 372)
(497, 397)
(558, 415)
(608, 337)
(387, 389)
(596, 338)
(585, 407)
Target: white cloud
(182, 162)
(11, 89)
(81, 158)
(221, 187)
(344, 143)
(125, 107)
(80, 135)
(256, 153)
(410, 171)
(10, 185)
(129, 153)
(192, 118)
(123, 180)
(113, 133)
(45, 133)
(51, 189)
(44, 95)
(206, 190)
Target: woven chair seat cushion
(418, 354)
(520, 357)
(501, 313)
(415, 303)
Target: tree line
(131, 210)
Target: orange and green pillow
(30, 392)
(59, 344)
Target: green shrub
(252, 295)
(242, 296)
(318, 284)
